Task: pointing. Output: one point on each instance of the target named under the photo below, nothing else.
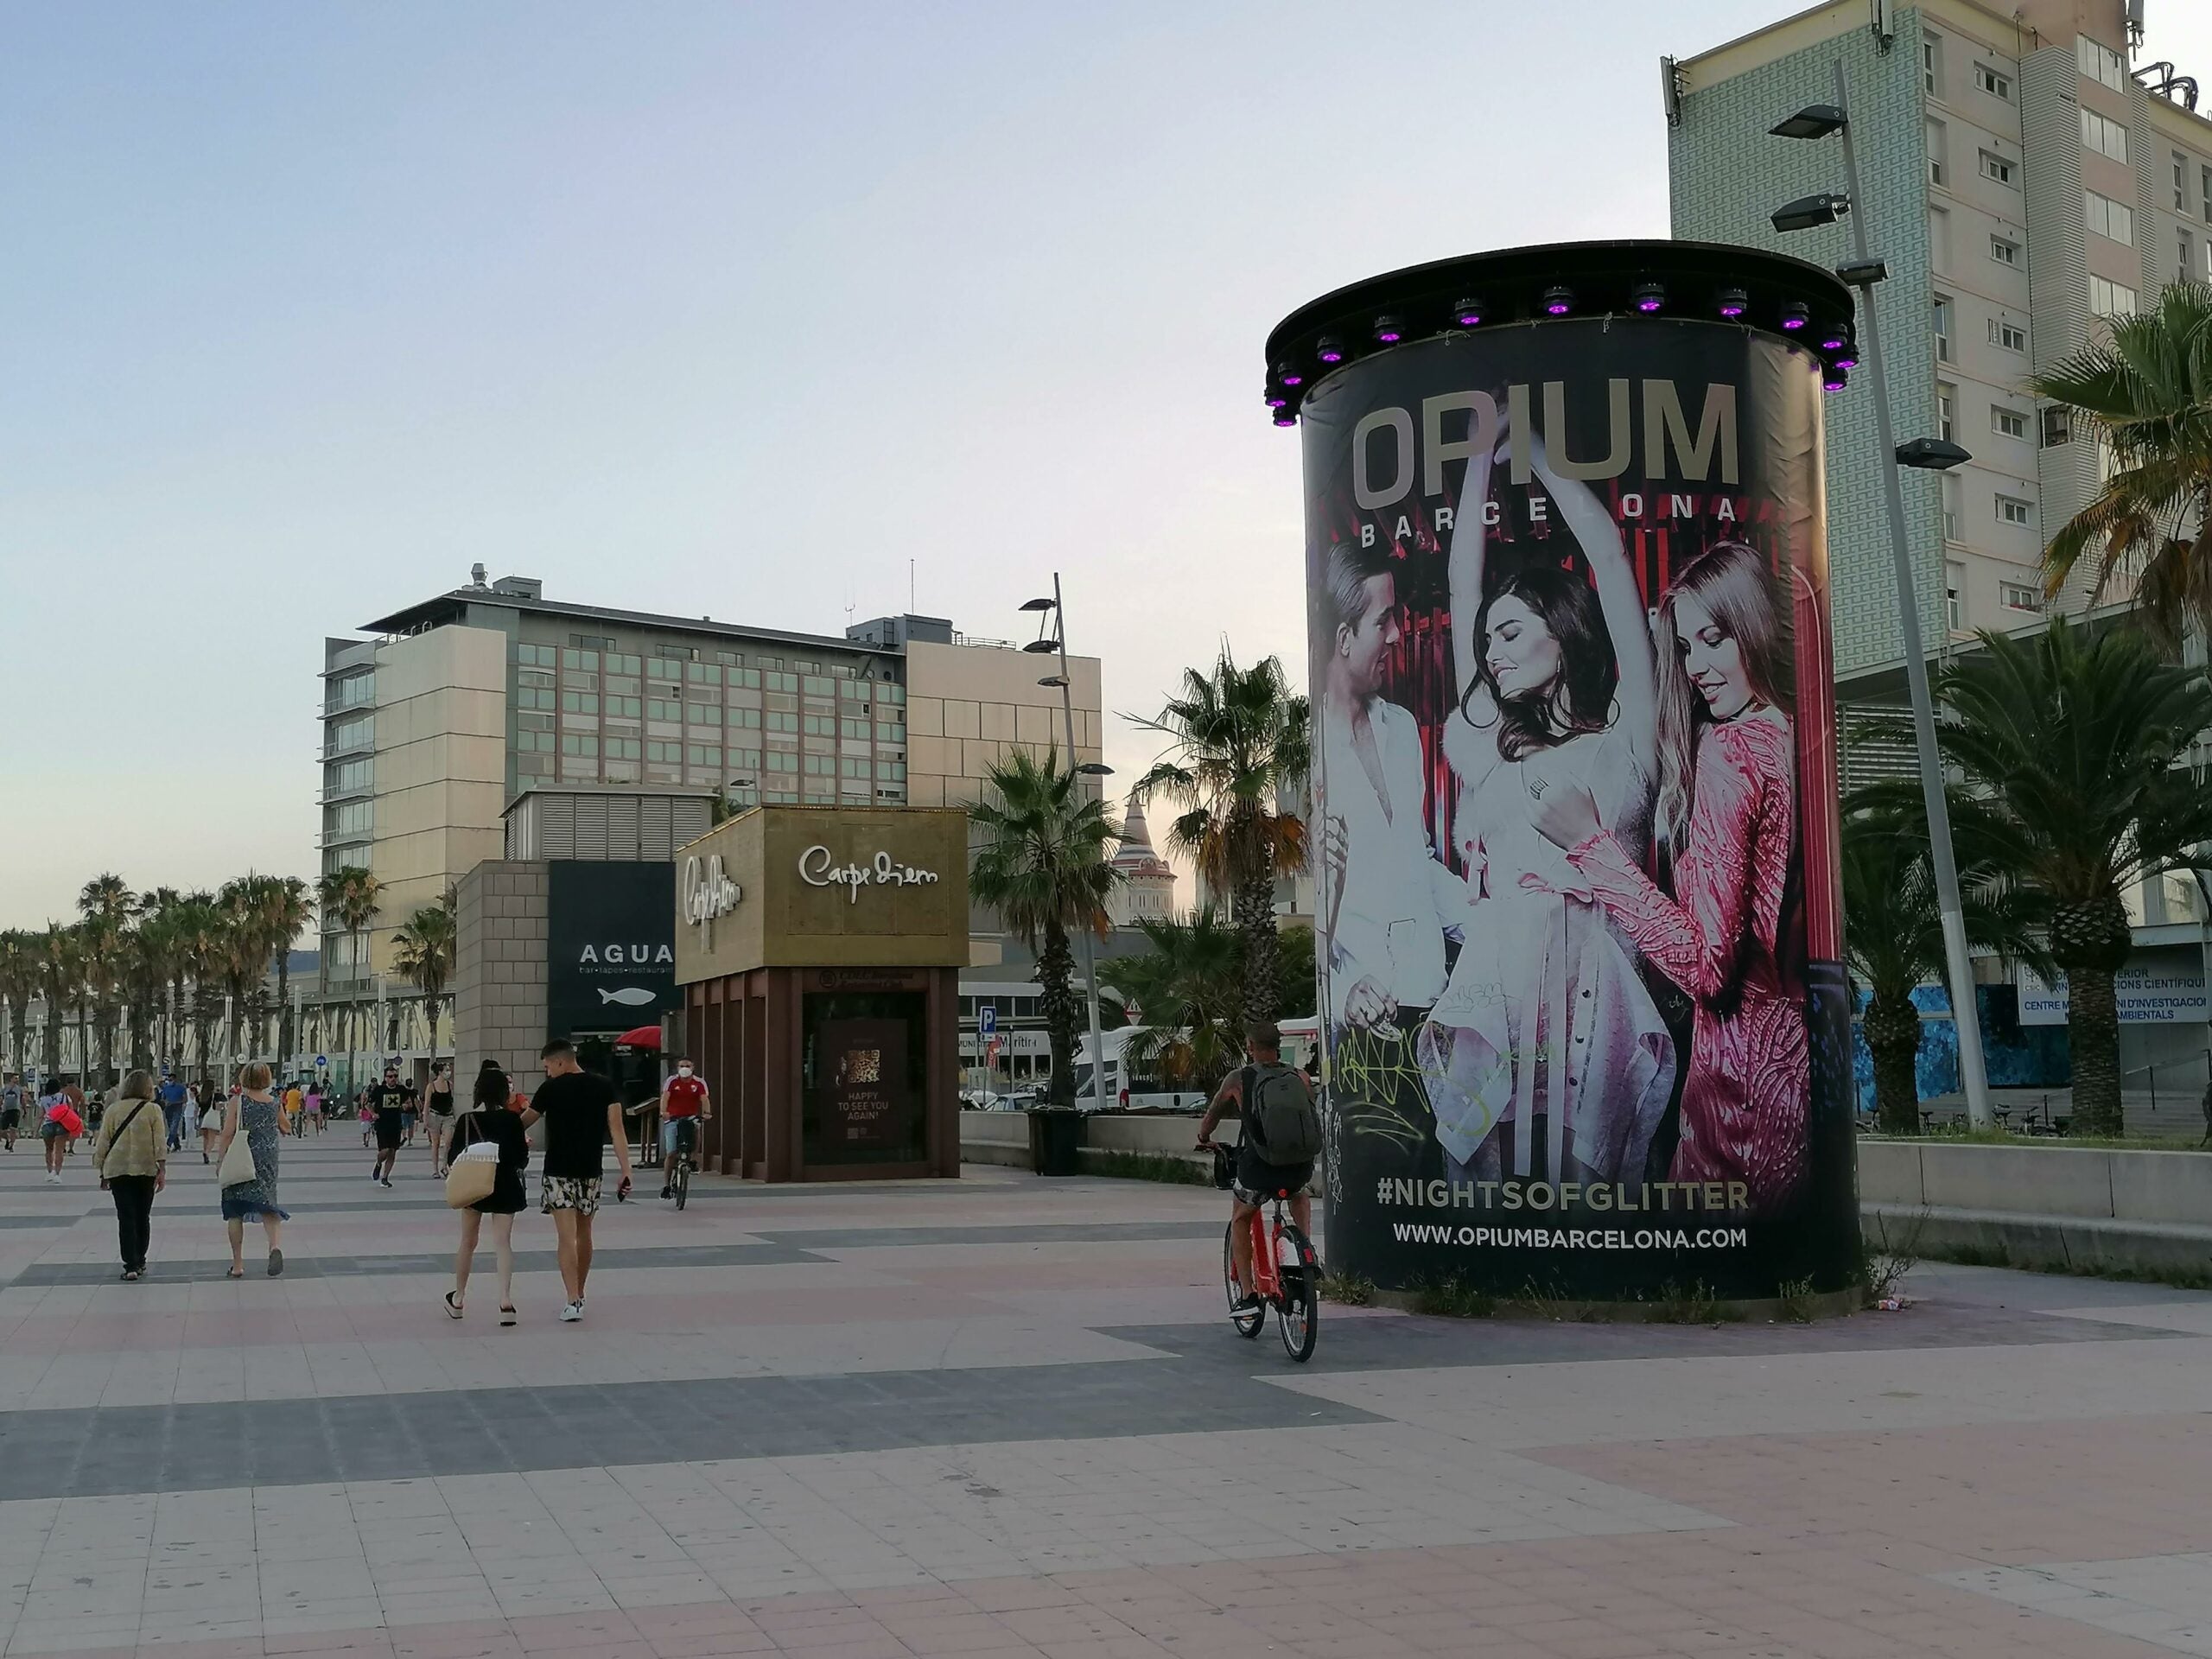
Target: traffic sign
(321, 1061)
(986, 1019)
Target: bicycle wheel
(1301, 1321)
(1248, 1325)
(682, 1179)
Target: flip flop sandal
(506, 1315)
(453, 1307)
(276, 1262)
(235, 1273)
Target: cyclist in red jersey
(684, 1097)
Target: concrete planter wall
(2067, 1209)
(2079, 1210)
(1003, 1137)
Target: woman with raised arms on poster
(1727, 809)
(1545, 1035)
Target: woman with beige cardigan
(131, 1153)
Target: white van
(1144, 1092)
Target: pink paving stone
(1948, 1499)
(376, 1642)
(551, 1632)
(708, 1644)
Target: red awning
(642, 1037)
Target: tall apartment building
(461, 703)
(2022, 182)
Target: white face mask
(683, 1071)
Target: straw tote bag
(471, 1173)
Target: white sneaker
(572, 1312)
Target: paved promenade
(1005, 1417)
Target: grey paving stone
(356, 1264)
(83, 1452)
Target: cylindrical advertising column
(1574, 834)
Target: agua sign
(708, 891)
(819, 868)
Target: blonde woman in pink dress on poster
(1727, 809)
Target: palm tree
(107, 907)
(18, 984)
(2148, 396)
(2072, 749)
(1239, 742)
(195, 932)
(1894, 938)
(1188, 987)
(349, 897)
(286, 908)
(57, 982)
(1043, 862)
(421, 952)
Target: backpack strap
(1247, 1108)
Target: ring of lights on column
(1586, 1026)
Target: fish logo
(630, 996)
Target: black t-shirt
(573, 1107)
(386, 1097)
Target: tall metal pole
(1090, 951)
(1960, 972)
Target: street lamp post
(1058, 641)
(1862, 273)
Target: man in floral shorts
(581, 1114)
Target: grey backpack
(1279, 1116)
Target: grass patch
(1453, 1298)
(1882, 1267)
(1147, 1167)
(1353, 1289)
(1692, 1304)
(1796, 1296)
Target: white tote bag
(238, 1168)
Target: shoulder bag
(238, 1167)
(115, 1135)
(471, 1173)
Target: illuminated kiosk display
(819, 950)
(1574, 790)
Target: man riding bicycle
(1264, 1091)
(683, 1105)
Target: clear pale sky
(727, 308)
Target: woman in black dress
(488, 1119)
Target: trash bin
(1056, 1142)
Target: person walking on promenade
(296, 1109)
(210, 1111)
(59, 1125)
(582, 1112)
(488, 1119)
(172, 1100)
(253, 1113)
(312, 1101)
(130, 1156)
(12, 1095)
(437, 1114)
(388, 1106)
